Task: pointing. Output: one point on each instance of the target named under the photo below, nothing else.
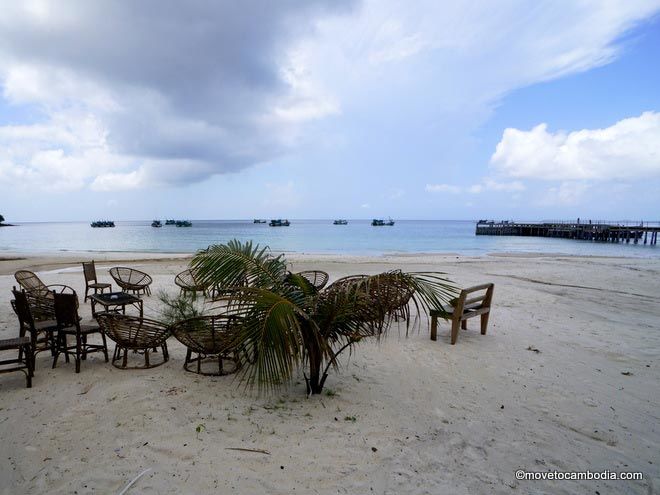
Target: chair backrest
(29, 281)
(207, 334)
(133, 332)
(22, 308)
(66, 309)
(317, 278)
(129, 275)
(89, 270)
(188, 280)
(468, 301)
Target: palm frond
(237, 264)
(274, 330)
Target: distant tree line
(2, 219)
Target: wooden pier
(644, 232)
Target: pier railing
(591, 230)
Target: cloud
(443, 188)
(566, 194)
(486, 184)
(629, 149)
(213, 85)
(282, 195)
(175, 92)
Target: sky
(329, 109)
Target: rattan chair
(68, 323)
(91, 281)
(210, 341)
(132, 333)
(42, 303)
(131, 280)
(317, 278)
(189, 282)
(29, 281)
(379, 297)
(41, 333)
(24, 361)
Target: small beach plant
(286, 322)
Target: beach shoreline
(424, 417)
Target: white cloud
(282, 195)
(171, 102)
(566, 194)
(443, 188)
(629, 149)
(486, 184)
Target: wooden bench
(464, 308)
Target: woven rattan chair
(132, 333)
(315, 277)
(381, 295)
(131, 280)
(29, 281)
(189, 282)
(41, 333)
(91, 281)
(42, 303)
(210, 340)
(24, 360)
(68, 323)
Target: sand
(406, 415)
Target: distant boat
(170, 222)
(156, 223)
(279, 223)
(183, 223)
(102, 224)
(340, 222)
(380, 223)
(256, 220)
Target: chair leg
(146, 358)
(105, 347)
(188, 358)
(434, 328)
(56, 350)
(29, 361)
(124, 362)
(455, 325)
(484, 323)
(464, 324)
(84, 347)
(78, 352)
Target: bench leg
(455, 325)
(434, 328)
(484, 323)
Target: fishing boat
(257, 220)
(279, 223)
(183, 223)
(102, 224)
(380, 222)
(170, 222)
(156, 223)
(340, 222)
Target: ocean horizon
(359, 237)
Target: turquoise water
(303, 236)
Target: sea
(359, 237)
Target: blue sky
(329, 109)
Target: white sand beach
(566, 379)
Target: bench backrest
(473, 298)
